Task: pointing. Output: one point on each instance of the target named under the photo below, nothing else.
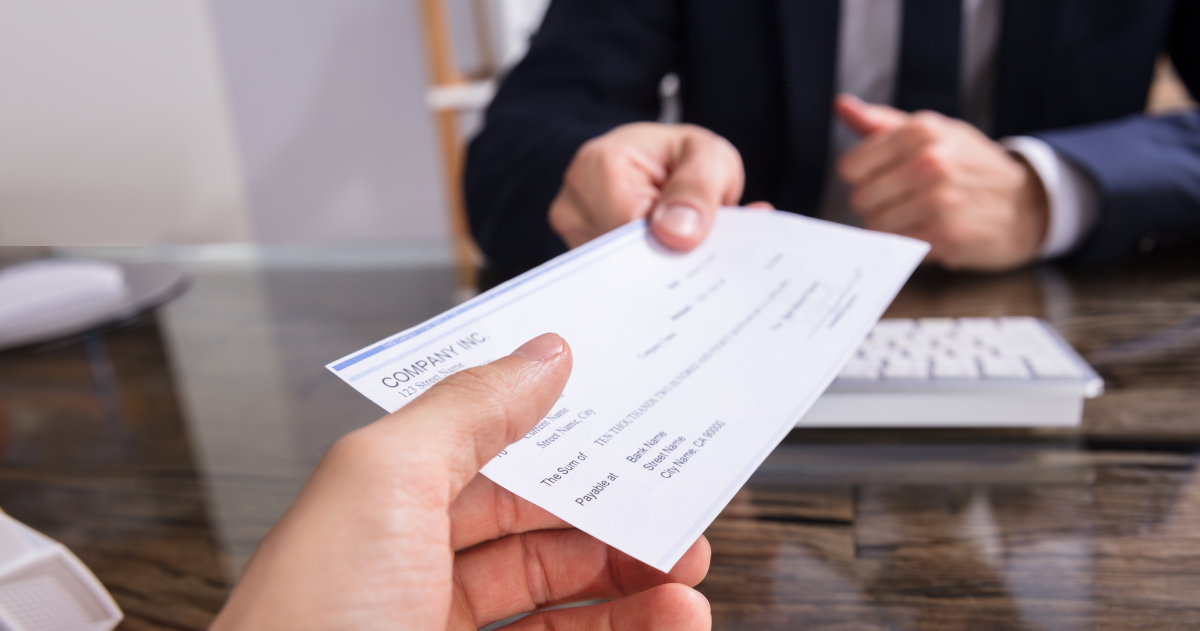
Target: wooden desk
(162, 469)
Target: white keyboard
(966, 372)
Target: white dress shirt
(868, 56)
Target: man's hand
(940, 180)
(394, 530)
(676, 174)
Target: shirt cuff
(1073, 198)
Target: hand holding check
(920, 175)
(395, 530)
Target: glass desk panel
(162, 451)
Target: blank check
(689, 368)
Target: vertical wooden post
(439, 53)
(483, 35)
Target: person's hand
(394, 530)
(941, 180)
(678, 175)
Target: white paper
(689, 368)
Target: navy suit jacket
(761, 73)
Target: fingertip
(547, 353)
(692, 567)
(848, 102)
(542, 347)
(699, 602)
(853, 111)
(678, 226)
(665, 607)
(867, 118)
(680, 607)
(703, 548)
(550, 360)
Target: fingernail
(540, 348)
(678, 219)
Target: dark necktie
(930, 42)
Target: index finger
(883, 151)
(525, 572)
(705, 173)
(663, 608)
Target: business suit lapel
(808, 42)
(1025, 70)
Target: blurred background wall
(337, 144)
(204, 121)
(114, 125)
(215, 121)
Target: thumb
(464, 421)
(705, 173)
(865, 118)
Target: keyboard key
(1031, 338)
(951, 352)
(1052, 368)
(872, 357)
(946, 368)
(1027, 346)
(919, 355)
(900, 368)
(1003, 368)
(958, 347)
(978, 326)
(1022, 326)
(937, 327)
(893, 329)
(1045, 353)
(860, 369)
(902, 350)
(925, 340)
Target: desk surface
(161, 452)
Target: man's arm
(1147, 169)
(591, 67)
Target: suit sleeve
(1147, 168)
(592, 66)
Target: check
(689, 368)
